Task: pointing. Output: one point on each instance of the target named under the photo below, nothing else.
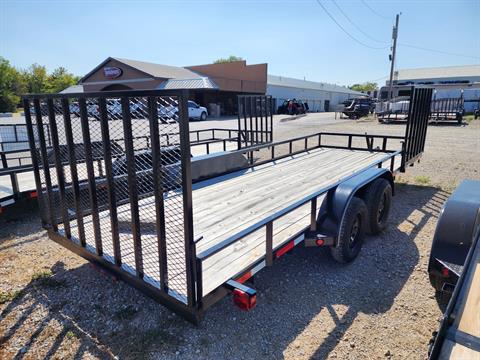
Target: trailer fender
(457, 223)
(337, 200)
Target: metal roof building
(466, 74)
(318, 95)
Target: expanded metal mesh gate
(115, 182)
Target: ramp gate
(114, 185)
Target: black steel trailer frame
(65, 210)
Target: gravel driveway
(53, 304)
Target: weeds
(422, 180)
(6, 296)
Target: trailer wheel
(378, 198)
(352, 231)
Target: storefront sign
(112, 72)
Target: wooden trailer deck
(226, 205)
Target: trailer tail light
(320, 242)
(33, 194)
(445, 272)
(244, 300)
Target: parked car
(196, 111)
(296, 107)
(170, 112)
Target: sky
(296, 38)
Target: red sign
(112, 72)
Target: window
(404, 92)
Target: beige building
(211, 83)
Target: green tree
(9, 77)
(367, 86)
(37, 79)
(60, 79)
(230, 59)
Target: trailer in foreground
(455, 265)
(188, 243)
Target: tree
(230, 59)
(60, 79)
(9, 77)
(37, 79)
(367, 86)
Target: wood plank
(469, 318)
(250, 196)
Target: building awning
(198, 83)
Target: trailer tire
(378, 198)
(352, 232)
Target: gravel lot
(53, 304)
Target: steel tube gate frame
(90, 208)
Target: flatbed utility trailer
(455, 265)
(188, 243)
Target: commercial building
(215, 86)
(208, 84)
(319, 96)
(448, 82)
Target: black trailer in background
(441, 109)
(119, 191)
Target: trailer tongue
(188, 240)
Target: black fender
(337, 200)
(456, 226)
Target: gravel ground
(53, 304)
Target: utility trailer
(441, 109)
(188, 243)
(455, 265)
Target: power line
(356, 26)
(345, 31)
(439, 51)
(373, 11)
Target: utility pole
(392, 56)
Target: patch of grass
(468, 118)
(126, 313)
(7, 296)
(422, 180)
(70, 334)
(46, 279)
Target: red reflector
(244, 277)
(285, 249)
(445, 272)
(320, 242)
(33, 194)
(1, 210)
(243, 300)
